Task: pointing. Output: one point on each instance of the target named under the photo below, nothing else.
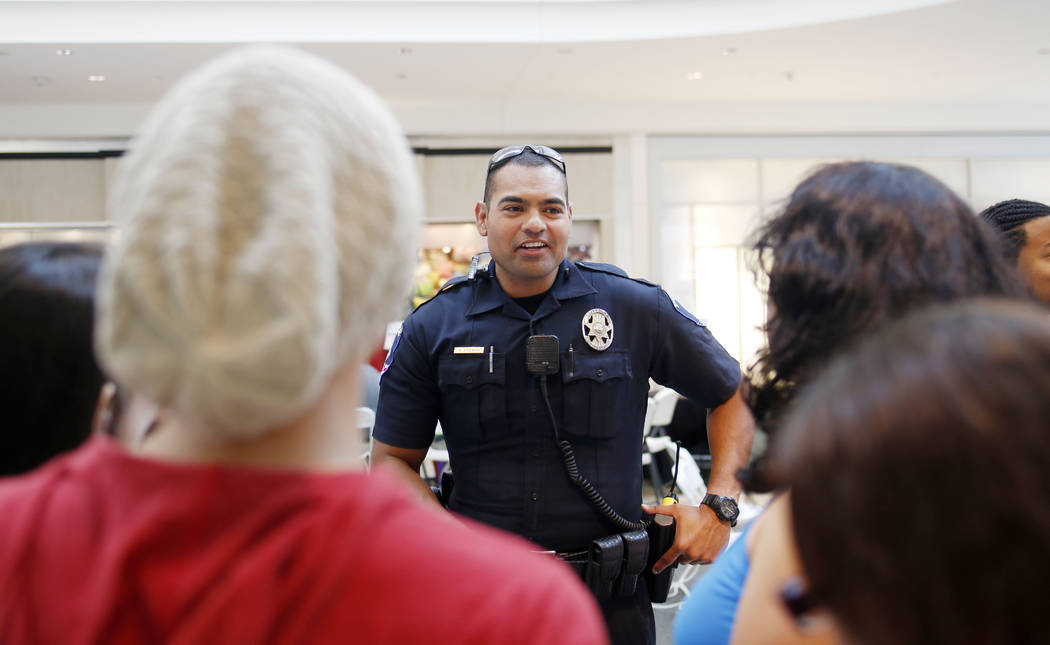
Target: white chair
(658, 413)
(364, 421)
(437, 457)
(690, 483)
(664, 403)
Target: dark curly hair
(859, 244)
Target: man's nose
(533, 223)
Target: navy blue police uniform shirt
(508, 469)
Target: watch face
(724, 507)
(729, 509)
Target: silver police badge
(598, 329)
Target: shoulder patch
(611, 269)
(390, 352)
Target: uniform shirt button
(534, 496)
(535, 452)
(469, 380)
(599, 373)
(532, 408)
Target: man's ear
(570, 210)
(481, 218)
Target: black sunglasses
(504, 154)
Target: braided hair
(1009, 217)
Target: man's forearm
(410, 476)
(730, 432)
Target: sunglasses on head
(510, 152)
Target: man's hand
(699, 535)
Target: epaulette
(448, 286)
(459, 279)
(611, 269)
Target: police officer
(461, 358)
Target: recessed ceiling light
(95, 78)
(401, 76)
(1045, 51)
(789, 76)
(63, 52)
(728, 51)
(564, 50)
(694, 76)
(40, 81)
(406, 50)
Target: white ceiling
(445, 66)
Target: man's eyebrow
(514, 199)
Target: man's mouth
(532, 245)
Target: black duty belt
(610, 567)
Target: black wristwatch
(724, 507)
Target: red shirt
(103, 547)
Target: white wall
(707, 194)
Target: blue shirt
(707, 616)
(460, 359)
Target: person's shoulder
(548, 599)
(453, 293)
(612, 275)
(538, 599)
(604, 269)
(14, 488)
(491, 553)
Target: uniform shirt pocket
(473, 393)
(597, 389)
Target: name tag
(468, 350)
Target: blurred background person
(267, 217)
(857, 245)
(918, 506)
(49, 381)
(1025, 227)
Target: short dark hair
(859, 244)
(918, 472)
(1009, 217)
(526, 158)
(50, 380)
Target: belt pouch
(661, 538)
(635, 554)
(606, 560)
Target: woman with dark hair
(49, 381)
(899, 540)
(857, 245)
